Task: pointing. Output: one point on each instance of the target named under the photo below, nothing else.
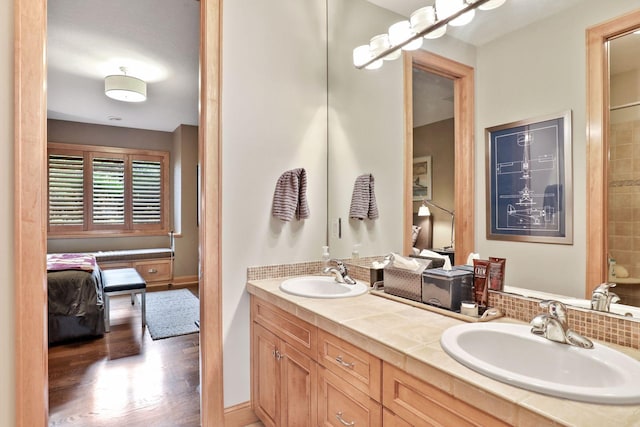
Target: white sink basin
(512, 354)
(322, 287)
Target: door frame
(464, 150)
(30, 209)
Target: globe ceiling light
(446, 8)
(400, 32)
(362, 55)
(379, 44)
(422, 19)
(122, 87)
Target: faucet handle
(603, 288)
(556, 309)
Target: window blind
(66, 190)
(108, 191)
(146, 192)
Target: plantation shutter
(108, 191)
(66, 190)
(146, 192)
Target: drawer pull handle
(342, 420)
(153, 270)
(343, 363)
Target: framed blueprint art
(529, 187)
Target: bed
(75, 299)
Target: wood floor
(125, 378)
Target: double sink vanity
(356, 359)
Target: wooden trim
(464, 185)
(598, 143)
(239, 415)
(209, 152)
(31, 385)
(408, 152)
(31, 367)
(184, 281)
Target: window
(106, 190)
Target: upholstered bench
(123, 281)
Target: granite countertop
(409, 338)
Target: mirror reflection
(623, 261)
(532, 66)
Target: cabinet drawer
(350, 363)
(340, 404)
(420, 403)
(154, 271)
(114, 265)
(297, 333)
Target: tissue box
(447, 289)
(405, 283)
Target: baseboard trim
(239, 415)
(183, 281)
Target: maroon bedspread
(71, 261)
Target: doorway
(464, 146)
(31, 218)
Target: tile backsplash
(597, 325)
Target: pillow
(415, 230)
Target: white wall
(537, 71)
(366, 133)
(273, 119)
(7, 398)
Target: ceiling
(156, 40)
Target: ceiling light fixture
(429, 22)
(125, 88)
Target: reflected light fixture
(123, 87)
(429, 22)
(426, 212)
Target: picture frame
(529, 180)
(422, 183)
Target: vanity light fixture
(424, 211)
(429, 22)
(125, 88)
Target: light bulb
(362, 55)
(401, 32)
(379, 44)
(446, 8)
(424, 18)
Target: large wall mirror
(531, 66)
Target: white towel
(363, 199)
(290, 196)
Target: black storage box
(447, 289)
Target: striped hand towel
(290, 196)
(363, 200)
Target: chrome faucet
(553, 325)
(602, 298)
(339, 271)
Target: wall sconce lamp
(429, 22)
(424, 211)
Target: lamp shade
(424, 18)
(424, 211)
(125, 88)
(446, 8)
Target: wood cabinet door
(299, 385)
(340, 404)
(389, 419)
(266, 376)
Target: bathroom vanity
(371, 361)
